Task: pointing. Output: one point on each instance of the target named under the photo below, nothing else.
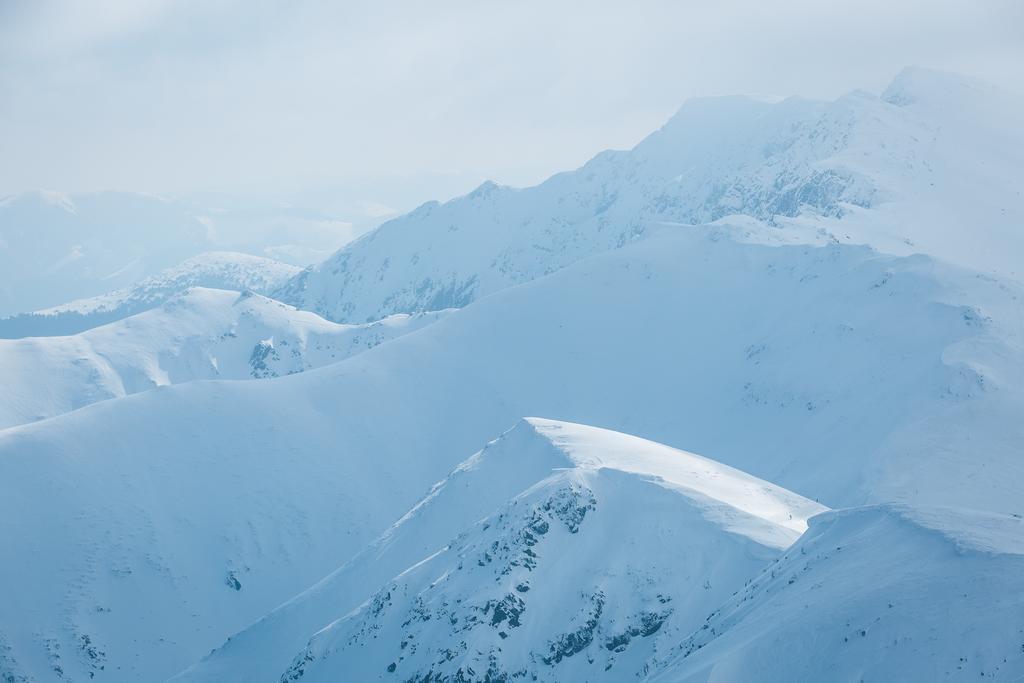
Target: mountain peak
(920, 85)
(484, 189)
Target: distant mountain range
(56, 247)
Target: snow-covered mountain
(658, 537)
(849, 326)
(215, 270)
(697, 338)
(629, 604)
(931, 165)
(199, 334)
(56, 247)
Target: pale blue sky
(419, 99)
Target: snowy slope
(708, 508)
(931, 166)
(836, 372)
(885, 593)
(573, 578)
(217, 270)
(199, 334)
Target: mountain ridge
(194, 334)
(858, 169)
(570, 465)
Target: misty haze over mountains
(740, 402)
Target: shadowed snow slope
(591, 541)
(201, 334)
(698, 506)
(218, 270)
(885, 593)
(931, 166)
(834, 371)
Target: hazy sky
(424, 98)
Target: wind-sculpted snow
(912, 171)
(200, 334)
(216, 270)
(885, 593)
(834, 371)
